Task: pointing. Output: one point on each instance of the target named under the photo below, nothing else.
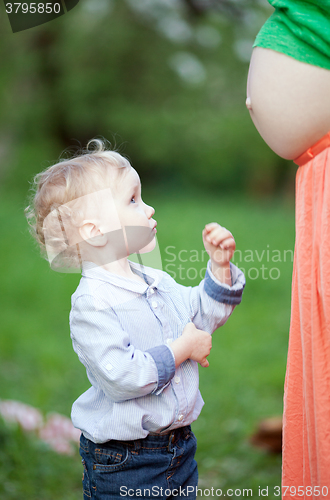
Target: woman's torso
(290, 101)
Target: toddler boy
(139, 334)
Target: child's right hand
(200, 344)
(193, 344)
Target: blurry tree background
(162, 79)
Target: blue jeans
(161, 467)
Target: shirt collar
(152, 277)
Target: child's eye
(133, 199)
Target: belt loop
(137, 444)
(187, 430)
(171, 440)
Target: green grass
(243, 384)
(28, 470)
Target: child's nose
(150, 211)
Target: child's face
(135, 215)
(122, 208)
(132, 210)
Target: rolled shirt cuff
(221, 292)
(165, 363)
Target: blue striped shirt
(122, 331)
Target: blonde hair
(57, 186)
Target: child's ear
(92, 235)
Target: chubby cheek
(133, 217)
(139, 238)
(149, 247)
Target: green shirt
(300, 29)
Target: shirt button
(154, 304)
(180, 417)
(177, 380)
(151, 291)
(108, 367)
(169, 341)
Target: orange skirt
(306, 423)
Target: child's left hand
(219, 244)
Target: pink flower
(58, 431)
(29, 418)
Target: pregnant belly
(289, 101)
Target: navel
(248, 103)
